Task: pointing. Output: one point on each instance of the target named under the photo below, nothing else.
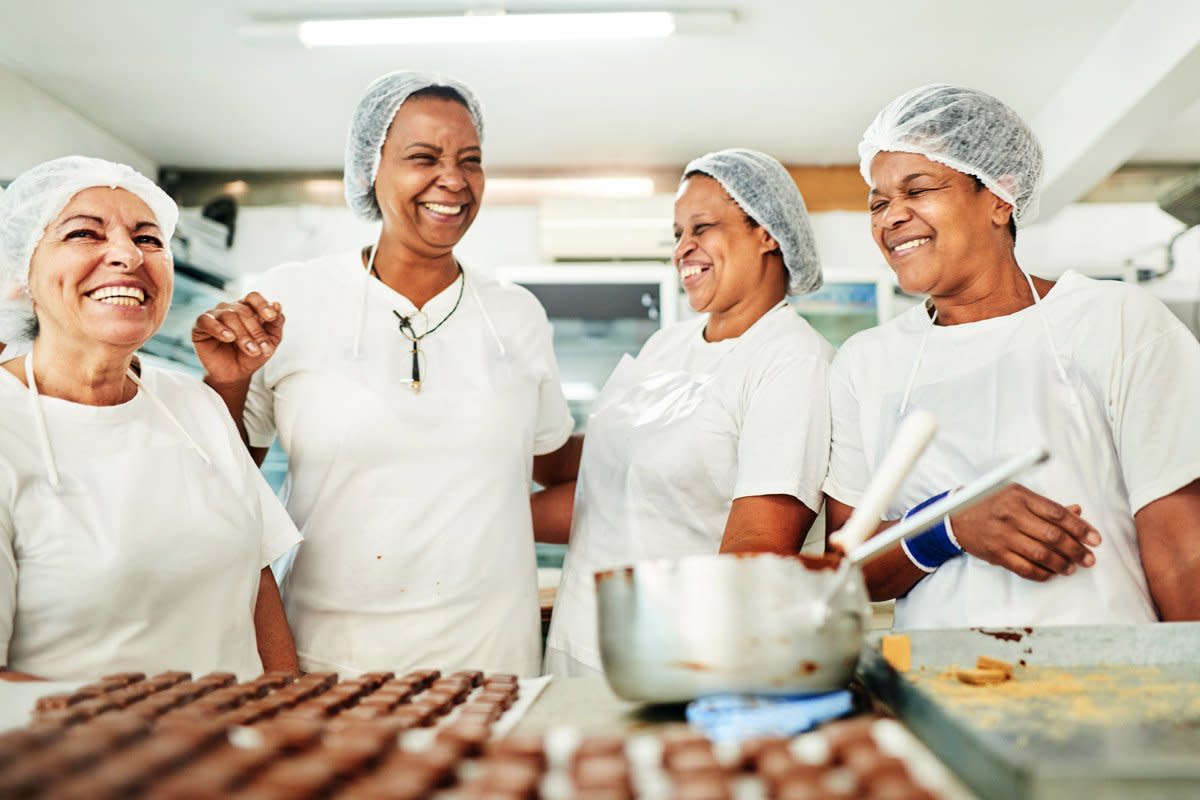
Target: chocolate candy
(701, 787)
(474, 677)
(466, 735)
(529, 747)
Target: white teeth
(900, 248)
(119, 295)
(688, 272)
(438, 208)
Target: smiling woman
(716, 437)
(414, 398)
(134, 530)
(1098, 372)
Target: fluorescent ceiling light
(487, 28)
(572, 187)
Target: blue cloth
(737, 717)
(934, 547)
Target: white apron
(439, 568)
(644, 436)
(1022, 395)
(146, 560)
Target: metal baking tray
(1093, 712)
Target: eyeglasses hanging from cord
(410, 333)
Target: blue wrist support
(934, 547)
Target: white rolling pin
(913, 436)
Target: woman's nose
(123, 252)
(451, 177)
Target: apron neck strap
(39, 420)
(1041, 312)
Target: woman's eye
(701, 228)
(423, 158)
(916, 192)
(148, 239)
(83, 233)
(877, 207)
(474, 161)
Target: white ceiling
(797, 78)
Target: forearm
(17, 677)
(552, 509)
(234, 397)
(276, 647)
(891, 575)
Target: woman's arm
(17, 677)
(771, 523)
(560, 466)
(276, 647)
(232, 341)
(553, 505)
(552, 509)
(1018, 529)
(1168, 532)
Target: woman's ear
(1001, 212)
(767, 241)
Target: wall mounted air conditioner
(607, 229)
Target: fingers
(207, 326)
(253, 324)
(265, 310)
(1018, 564)
(1036, 551)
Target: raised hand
(234, 339)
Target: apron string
(1037, 302)
(487, 318)
(43, 431)
(1041, 312)
(361, 322)
(912, 373)
(167, 413)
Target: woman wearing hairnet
(135, 532)
(716, 437)
(413, 396)
(1098, 372)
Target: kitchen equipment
(672, 631)
(1092, 712)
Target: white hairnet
(766, 192)
(968, 131)
(35, 198)
(372, 119)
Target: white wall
(35, 128)
(1098, 239)
(502, 235)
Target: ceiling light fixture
(487, 28)
(498, 26)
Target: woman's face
(430, 179)
(102, 272)
(931, 222)
(718, 253)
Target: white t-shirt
(147, 559)
(679, 434)
(1134, 367)
(414, 506)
